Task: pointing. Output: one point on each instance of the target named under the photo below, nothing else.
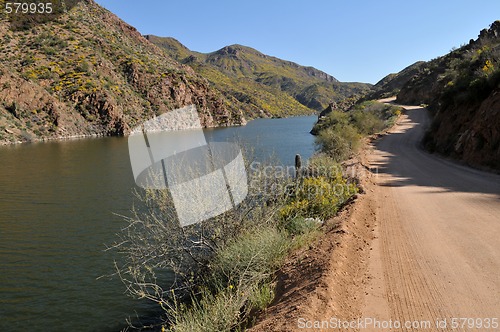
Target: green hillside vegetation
(263, 85)
(467, 74)
(88, 73)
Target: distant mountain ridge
(263, 84)
(240, 53)
(462, 92)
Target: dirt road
(436, 252)
(421, 245)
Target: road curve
(437, 249)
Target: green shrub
(83, 67)
(301, 226)
(262, 296)
(336, 118)
(339, 142)
(367, 122)
(322, 165)
(479, 89)
(27, 61)
(239, 283)
(318, 195)
(317, 198)
(376, 117)
(48, 50)
(340, 132)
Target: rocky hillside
(462, 90)
(391, 84)
(262, 84)
(86, 72)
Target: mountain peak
(235, 50)
(264, 84)
(492, 32)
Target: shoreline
(91, 136)
(54, 139)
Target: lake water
(59, 203)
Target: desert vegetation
(471, 77)
(222, 270)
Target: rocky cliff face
(469, 132)
(462, 90)
(89, 73)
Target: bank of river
(59, 207)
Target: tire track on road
(436, 264)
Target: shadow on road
(402, 157)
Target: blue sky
(349, 39)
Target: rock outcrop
(470, 133)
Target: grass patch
(252, 256)
(262, 296)
(214, 311)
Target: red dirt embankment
(420, 245)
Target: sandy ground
(421, 246)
